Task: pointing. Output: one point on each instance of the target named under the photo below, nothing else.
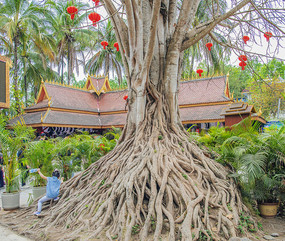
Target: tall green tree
(17, 19)
(71, 41)
(109, 59)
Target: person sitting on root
(52, 191)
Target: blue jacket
(53, 184)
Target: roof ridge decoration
(64, 85)
(93, 85)
(227, 87)
(43, 94)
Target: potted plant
(259, 163)
(39, 154)
(11, 141)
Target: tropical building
(61, 109)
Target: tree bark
(69, 61)
(15, 82)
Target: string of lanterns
(95, 17)
(242, 58)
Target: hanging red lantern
(200, 71)
(94, 17)
(242, 58)
(72, 11)
(125, 97)
(245, 39)
(268, 35)
(104, 44)
(96, 2)
(209, 46)
(242, 65)
(116, 45)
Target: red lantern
(200, 71)
(96, 2)
(94, 17)
(104, 44)
(268, 35)
(245, 39)
(209, 46)
(72, 11)
(242, 58)
(125, 97)
(242, 65)
(116, 45)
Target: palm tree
(71, 41)
(37, 51)
(17, 19)
(106, 59)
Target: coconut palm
(17, 19)
(108, 59)
(71, 42)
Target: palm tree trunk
(69, 55)
(62, 65)
(15, 82)
(25, 81)
(192, 64)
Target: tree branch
(206, 28)
(152, 36)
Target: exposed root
(155, 185)
(146, 190)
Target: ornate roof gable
(98, 84)
(43, 94)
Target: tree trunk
(25, 82)
(69, 62)
(62, 67)
(15, 82)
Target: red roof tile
(69, 98)
(202, 91)
(191, 92)
(204, 113)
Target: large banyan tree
(157, 184)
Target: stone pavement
(5, 233)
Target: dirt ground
(274, 225)
(270, 225)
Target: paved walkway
(5, 233)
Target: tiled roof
(53, 118)
(201, 113)
(29, 118)
(69, 118)
(238, 108)
(112, 101)
(69, 106)
(202, 91)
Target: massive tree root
(153, 186)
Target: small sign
(4, 82)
